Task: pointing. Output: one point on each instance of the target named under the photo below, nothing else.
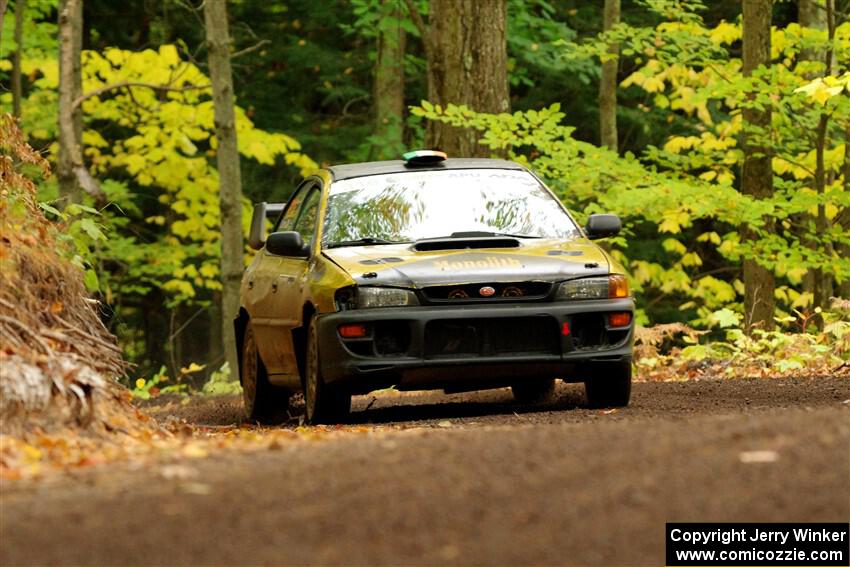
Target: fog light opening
(619, 319)
(353, 331)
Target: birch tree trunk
(20, 6)
(389, 83)
(466, 48)
(608, 81)
(822, 288)
(810, 14)
(230, 179)
(70, 87)
(757, 175)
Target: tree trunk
(757, 175)
(822, 288)
(3, 5)
(467, 64)
(70, 87)
(215, 354)
(229, 175)
(389, 83)
(608, 81)
(843, 218)
(811, 14)
(20, 6)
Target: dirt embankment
(57, 360)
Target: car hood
(534, 260)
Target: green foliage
(676, 185)
(679, 200)
(676, 352)
(145, 389)
(153, 148)
(222, 383)
(39, 36)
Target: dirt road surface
(474, 479)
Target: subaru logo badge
(487, 291)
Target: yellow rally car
(429, 273)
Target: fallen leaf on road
(198, 488)
(177, 472)
(758, 457)
(194, 451)
(445, 423)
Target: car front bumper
(472, 346)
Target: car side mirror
(602, 226)
(262, 212)
(288, 243)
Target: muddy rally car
(428, 273)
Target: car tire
(263, 402)
(322, 403)
(611, 384)
(535, 391)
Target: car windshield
(410, 206)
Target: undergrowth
(678, 352)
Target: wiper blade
(516, 235)
(480, 234)
(367, 241)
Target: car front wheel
(610, 385)
(323, 403)
(263, 402)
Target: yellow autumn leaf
(725, 33)
(192, 368)
(194, 451)
(653, 84)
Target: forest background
(716, 130)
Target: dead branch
(27, 331)
(131, 84)
(247, 50)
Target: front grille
(472, 293)
(492, 337)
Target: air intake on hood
(465, 243)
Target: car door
(291, 293)
(273, 308)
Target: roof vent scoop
(424, 157)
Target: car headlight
(608, 287)
(368, 297)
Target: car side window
(306, 222)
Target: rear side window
(306, 222)
(287, 219)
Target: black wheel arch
(299, 340)
(240, 323)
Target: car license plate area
(446, 338)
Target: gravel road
(472, 479)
